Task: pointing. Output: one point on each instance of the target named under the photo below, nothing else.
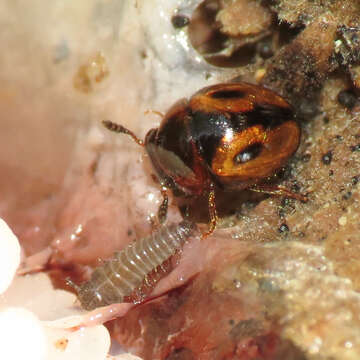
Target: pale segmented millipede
(133, 272)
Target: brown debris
(304, 12)
(242, 18)
(225, 32)
(298, 70)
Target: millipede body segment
(133, 272)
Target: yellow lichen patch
(92, 72)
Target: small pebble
(283, 228)
(179, 21)
(347, 98)
(326, 158)
(347, 196)
(265, 50)
(306, 157)
(355, 147)
(342, 220)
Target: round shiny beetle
(230, 136)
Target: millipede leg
(212, 212)
(70, 283)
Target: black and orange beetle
(232, 136)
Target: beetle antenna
(121, 129)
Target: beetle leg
(121, 129)
(212, 212)
(279, 191)
(163, 208)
